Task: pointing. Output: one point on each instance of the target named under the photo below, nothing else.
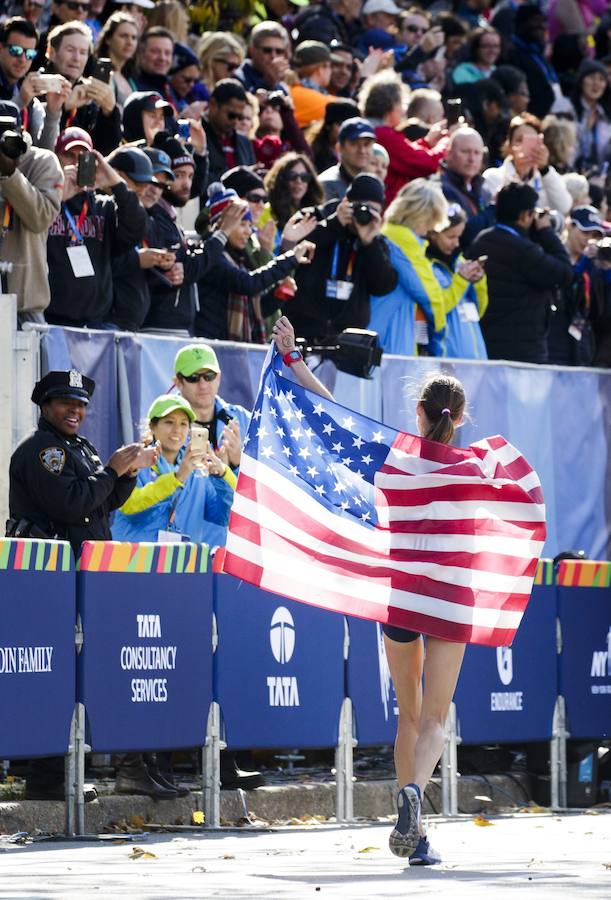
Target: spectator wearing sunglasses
(186, 86)
(292, 185)
(220, 56)
(226, 148)
(420, 41)
(18, 39)
(268, 58)
(249, 186)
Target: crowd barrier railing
(167, 654)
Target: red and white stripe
(454, 554)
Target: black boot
(133, 777)
(233, 777)
(163, 778)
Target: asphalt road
(526, 855)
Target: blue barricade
(584, 602)
(145, 670)
(369, 685)
(279, 668)
(508, 694)
(37, 650)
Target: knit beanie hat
(366, 187)
(219, 197)
(242, 180)
(176, 150)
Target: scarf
(244, 318)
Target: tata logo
(504, 664)
(282, 635)
(601, 663)
(282, 689)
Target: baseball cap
(72, 384)
(374, 6)
(586, 218)
(356, 128)
(169, 403)
(311, 53)
(73, 137)
(134, 163)
(194, 357)
(160, 161)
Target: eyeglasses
(199, 376)
(299, 176)
(256, 198)
(16, 50)
(415, 29)
(231, 67)
(189, 80)
(273, 51)
(236, 116)
(74, 5)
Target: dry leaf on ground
(139, 853)
(481, 820)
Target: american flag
(339, 511)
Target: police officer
(58, 484)
(59, 488)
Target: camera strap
(75, 226)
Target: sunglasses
(189, 80)
(231, 67)
(415, 29)
(273, 51)
(199, 376)
(299, 176)
(236, 116)
(16, 50)
(74, 5)
(256, 198)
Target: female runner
(422, 708)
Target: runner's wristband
(292, 357)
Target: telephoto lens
(12, 145)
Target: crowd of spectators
(434, 171)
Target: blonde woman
(220, 54)
(170, 14)
(560, 138)
(412, 314)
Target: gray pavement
(542, 856)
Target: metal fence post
(69, 779)
(558, 765)
(211, 769)
(344, 769)
(449, 766)
(80, 749)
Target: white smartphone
(199, 438)
(49, 84)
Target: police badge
(76, 379)
(53, 459)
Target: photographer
(31, 183)
(100, 218)
(278, 132)
(91, 104)
(351, 262)
(525, 263)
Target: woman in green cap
(175, 497)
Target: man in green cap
(198, 378)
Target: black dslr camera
(362, 214)
(11, 142)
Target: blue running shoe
(405, 835)
(424, 855)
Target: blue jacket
(201, 506)
(465, 305)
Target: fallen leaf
(228, 856)
(481, 820)
(136, 821)
(139, 853)
(368, 849)
(198, 818)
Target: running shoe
(404, 837)
(424, 855)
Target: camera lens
(362, 214)
(12, 145)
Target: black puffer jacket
(522, 272)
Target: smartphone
(102, 69)
(86, 169)
(184, 129)
(145, 457)
(49, 84)
(199, 438)
(453, 110)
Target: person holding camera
(525, 264)
(351, 263)
(59, 488)
(100, 218)
(31, 182)
(278, 132)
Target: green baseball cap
(194, 357)
(169, 403)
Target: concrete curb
(273, 804)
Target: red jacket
(408, 159)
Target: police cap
(70, 384)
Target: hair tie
(446, 410)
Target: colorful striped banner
(34, 555)
(164, 559)
(545, 572)
(584, 573)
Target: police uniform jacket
(60, 484)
